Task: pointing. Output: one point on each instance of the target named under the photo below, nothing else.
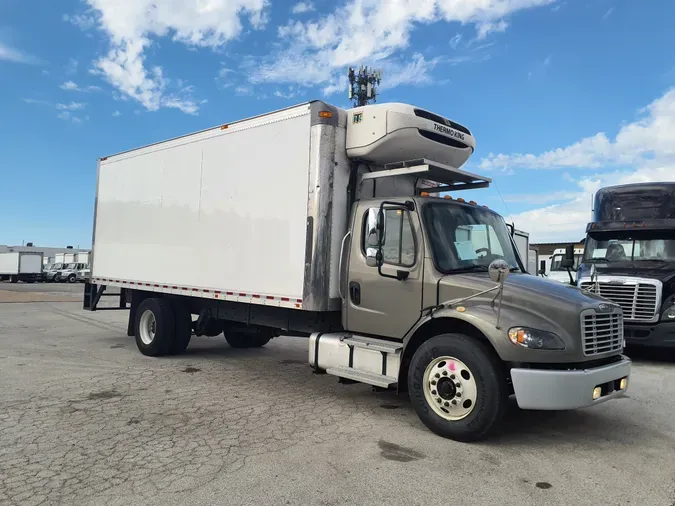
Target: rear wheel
(183, 328)
(154, 327)
(457, 387)
(14, 279)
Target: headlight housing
(669, 314)
(535, 339)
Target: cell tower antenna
(363, 84)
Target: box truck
(321, 222)
(18, 266)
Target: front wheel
(457, 387)
(71, 278)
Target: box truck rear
(344, 226)
(20, 266)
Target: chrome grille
(601, 332)
(639, 299)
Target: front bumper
(546, 389)
(658, 335)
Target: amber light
(424, 194)
(325, 114)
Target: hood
(527, 301)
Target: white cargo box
(82, 257)
(240, 212)
(15, 263)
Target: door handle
(355, 292)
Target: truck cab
(629, 258)
(558, 272)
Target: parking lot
(86, 419)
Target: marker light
(325, 114)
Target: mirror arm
(450, 303)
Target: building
(47, 252)
(546, 249)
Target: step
(373, 344)
(363, 377)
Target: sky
(562, 96)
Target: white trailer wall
(9, 263)
(223, 209)
(30, 263)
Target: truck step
(362, 377)
(373, 344)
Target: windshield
(556, 262)
(71, 266)
(467, 237)
(57, 266)
(630, 248)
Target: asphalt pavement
(86, 419)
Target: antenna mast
(363, 85)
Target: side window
(399, 241)
(398, 247)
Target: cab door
(388, 303)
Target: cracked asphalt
(86, 419)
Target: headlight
(669, 314)
(535, 339)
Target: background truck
(20, 266)
(557, 271)
(321, 222)
(630, 258)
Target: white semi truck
(321, 222)
(18, 266)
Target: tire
(183, 328)
(56, 278)
(71, 278)
(469, 362)
(242, 340)
(161, 312)
(14, 279)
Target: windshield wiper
(469, 268)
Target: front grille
(638, 300)
(601, 332)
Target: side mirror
(374, 228)
(371, 257)
(499, 270)
(568, 260)
(542, 268)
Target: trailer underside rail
(93, 293)
(451, 178)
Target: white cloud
(456, 39)
(566, 221)
(116, 114)
(302, 7)
(652, 137)
(608, 13)
(72, 106)
(72, 86)
(316, 52)
(131, 26)
(84, 21)
(647, 144)
(13, 55)
(33, 101)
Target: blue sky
(563, 96)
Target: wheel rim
(147, 327)
(450, 388)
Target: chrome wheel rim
(147, 327)
(450, 388)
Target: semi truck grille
(601, 332)
(639, 300)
